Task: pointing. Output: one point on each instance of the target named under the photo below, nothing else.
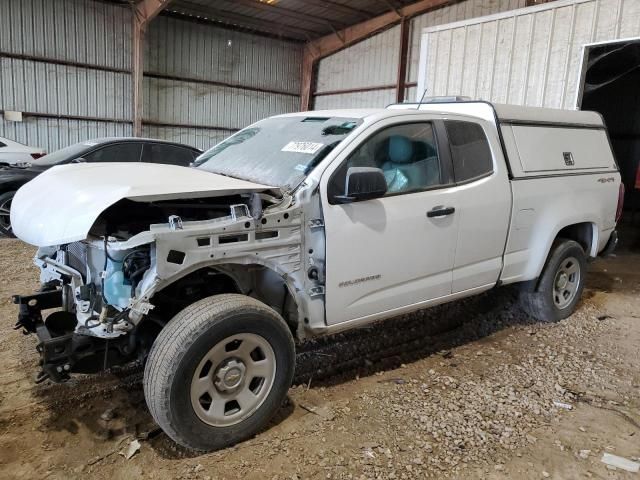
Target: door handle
(440, 211)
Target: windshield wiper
(342, 129)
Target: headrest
(400, 149)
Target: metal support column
(143, 12)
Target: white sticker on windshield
(302, 147)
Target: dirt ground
(409, 398)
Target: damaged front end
(93, 289)
(124, 247)
(114, 291)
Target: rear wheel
(5, 211)
(560, 285)
(219, 371)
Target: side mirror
(363, 183)
(78, 160)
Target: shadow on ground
(331, 360)
(321, 362)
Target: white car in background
(12, 153)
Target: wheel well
(10, 188)
(254, 281)
(581, 233)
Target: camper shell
(533, 137)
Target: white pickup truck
(302, 225)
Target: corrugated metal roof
(293, 19)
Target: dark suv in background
(98, 150)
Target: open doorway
(610, 84)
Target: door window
(470, 150)
(169, 154)
(407, 155)
(120, 152)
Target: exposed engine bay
(144, 261)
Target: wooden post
(402, 61)
(307, 79)
(143, 13)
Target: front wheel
(560, 285)
(219, 371)
(5, 214)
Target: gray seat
(403, 173)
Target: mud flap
(611, 244)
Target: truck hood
(60, 205)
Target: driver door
(394, 253)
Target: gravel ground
(469, 390)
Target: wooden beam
(246, 21)
(392, 7)
(147, 10)
(143, 12)
(402, 60)
(137, 65)
(348, 36)
(341, 8)
(307, 77)
(282, 12)
(316, 49)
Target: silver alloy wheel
(5, 214)
(565, 284)
(233, 379)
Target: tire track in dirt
(330, 359)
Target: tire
(549, 302)
(184, 359)
(5, 220)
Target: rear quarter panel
(542, 206)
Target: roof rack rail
(440, 99)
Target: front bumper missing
(63, 351)
(31, 306)
(54, 349)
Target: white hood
(60, 205)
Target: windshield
(278, 151)
(64, 154)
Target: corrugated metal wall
(359, 66)
(523, 58)
(202, 83)
(66, 63)
(374, 62)
(373, 98)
